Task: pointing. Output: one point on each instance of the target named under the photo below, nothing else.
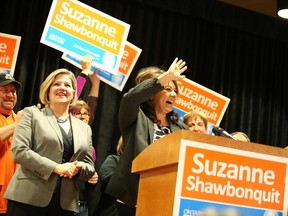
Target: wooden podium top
(166, 150)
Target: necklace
(62, 120)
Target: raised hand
(174, 72)
(178, 67)
(86, 63)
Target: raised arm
(86, 63)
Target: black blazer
(138, 132)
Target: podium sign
(219, 179)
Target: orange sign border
(15, 53)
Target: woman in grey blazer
(145, 115)
(53, 150)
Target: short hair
(81, 104)
(242, 134)
(45, 86)
(193, 114)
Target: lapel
(173, 127)
(151, 130)
(75, 130)
(53, 122)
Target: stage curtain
(237, 53)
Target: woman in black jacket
(145, 115)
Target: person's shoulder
(112, 157)
(80, 122)
(183, 125)
(31, 109)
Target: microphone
(221, 132)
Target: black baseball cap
(7, 78)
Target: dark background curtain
(238, 53)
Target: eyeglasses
(78, 114)
(7, 91)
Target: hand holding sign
(86, 63)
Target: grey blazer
(137, 132)
(37, 147)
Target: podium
(158, 164)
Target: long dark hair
(148, 107)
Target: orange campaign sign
(9, 46)
(131, 53)
(222, 178)
(195, 97)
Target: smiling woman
(53, 149)
(145, 115)
(59, 78)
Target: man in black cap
(8, 121)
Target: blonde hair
(245, 136)
(120, 146)
(193, 114)
(45, 86)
